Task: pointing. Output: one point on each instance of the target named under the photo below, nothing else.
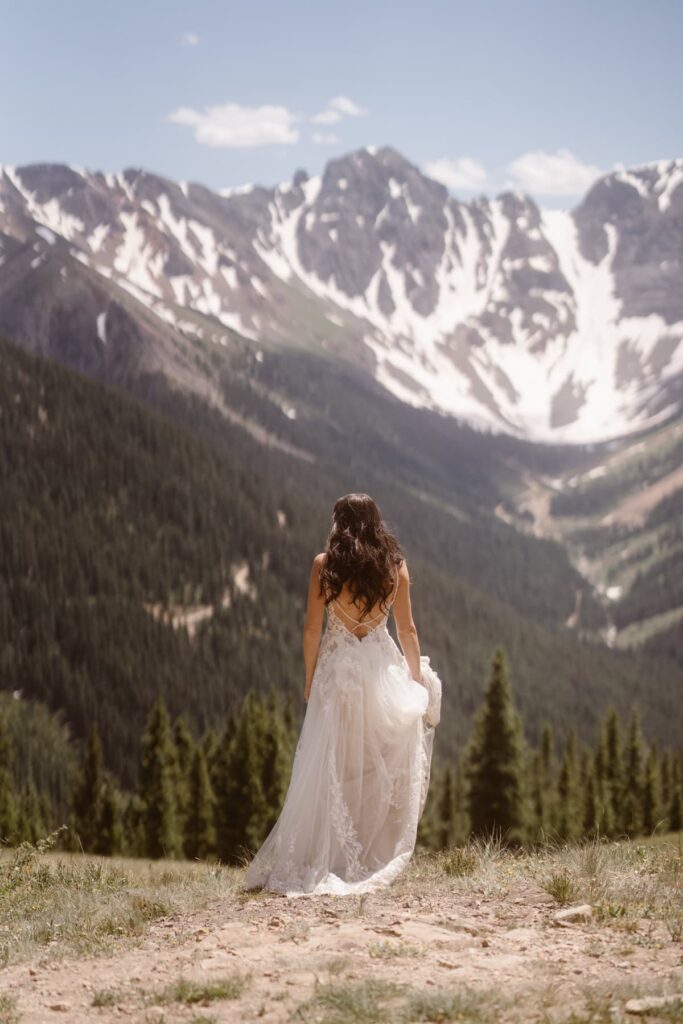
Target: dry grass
(623, 881)
(372, 1001)
(8, 1009)
(437, 946)
(186, 991)
(58, 905)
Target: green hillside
(113, 513)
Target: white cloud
(347, 107)
(552, 174)
(231, 126)
(337, 108)
(463, 173)
(190, 39)
(326, 117)
(325, 138)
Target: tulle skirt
(359, 778)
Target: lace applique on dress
(360, 774)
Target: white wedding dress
(361, 770)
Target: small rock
(485, 942)
(61, 1007)
(648, 1003)
(582, 912)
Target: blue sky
(484, 94)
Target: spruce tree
(87, 802)
(109, 839)
(604, 812)
(675, 808)
(8, 796)
(547, 797)
(614, 771)
(200, 830)
(251, 776)
(133, 822)
(157, 786)
(276, 757)
(665, 774)
(651, 809)
(461, 824)
(184, 756)
(588, 797)
(633, 779)
(211, 747)
(495, 762)
(569, 814)
(244, 807)
(445, 811)
(30, 821)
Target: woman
(361, 769)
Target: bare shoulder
(319, 560)
(403, 573)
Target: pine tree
(569, 814)
(445, 811)
(675, 808)
(589, 797)
(134, 826)
(276, 756)
(547, 799)
(87, 803)
(211, 746)
(30, 821)
(495, 763)
(251, 774)
(184, 757)
(239, 786)
(665, 774)
(651, 809)
(157, 786)
(614, 772)
(8, 796)
(633, 780)
(200, 830)
(109, 839)
(461, 823)
(603, 796)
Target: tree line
(217, 796)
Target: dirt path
(509, 949)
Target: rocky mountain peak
(492, 310)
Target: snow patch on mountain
(555, 325)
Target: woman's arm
(313, 624)
(405, 627)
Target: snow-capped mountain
(553, 325)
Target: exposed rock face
(553, 325)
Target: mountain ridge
(552, 325)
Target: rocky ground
(475, 935)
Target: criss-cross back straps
(373, 618)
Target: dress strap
(393, 596)
(357, 622)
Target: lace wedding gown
(360, 774)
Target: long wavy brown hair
(361, 553)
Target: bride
(361, 768)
